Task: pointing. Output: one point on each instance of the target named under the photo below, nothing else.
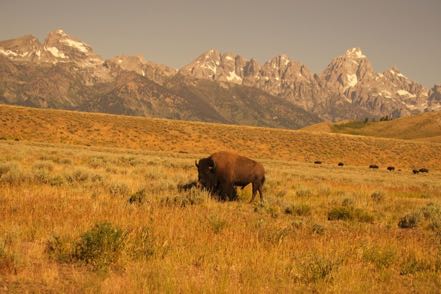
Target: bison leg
(254, 192)
(227, 191)
(260, 193)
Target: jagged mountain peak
(355, 52)
(61, 40)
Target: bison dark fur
(222, 171)
(390, 168)
(317, 162)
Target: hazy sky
(401, 33)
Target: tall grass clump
(100, 246)
(13, 174)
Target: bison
(391, 168)
(317, 162)
(373, 166)
(341, 164)
(415, 171)
(222, 171)
(424, 170)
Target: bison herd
(222, 172)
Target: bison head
(207, 173)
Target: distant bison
(317, 162)
(341, 164)
(424, 170)
(390, 168)
(373, 166)
(222, 171)
(415, 171)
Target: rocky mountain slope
(64, 72)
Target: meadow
(96, 217)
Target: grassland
(97, 209)
(423, 127)
(103, 131)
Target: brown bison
(317, 162)
(390, 168)
(424, 170)
(415, 171)
(341, 164)
(373, 166)
(222, 171)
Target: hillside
(422, 127)
(69, 127)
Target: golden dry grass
(174, 241)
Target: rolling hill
(104, 130)
(422, 127)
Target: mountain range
(64, 72)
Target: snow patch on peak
(233, 77)
(352, 81)
(61, 32)
(7, 52)
(401, 75)
(405, 93)
(75, 44)
(355, 53)
(55, 52)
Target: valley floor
(104, 219)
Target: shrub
(41, 176)
(59, 249)
(299, 210)
(118, 189)
(340, 213)
(412, 265)
(12, 173)
(380, 257)
(303, 193)
(350, 213)
(347, 202)
(315, 268)
(377, 196)
(56, 180)
(138, 197)
(100, 246)
(78, 175)
(43, 165)
(409, 221)
(97, 162)
(431, 211)
(318, 229)
(217, 224)
(273, 207)
(363, 216)
(183, 200)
